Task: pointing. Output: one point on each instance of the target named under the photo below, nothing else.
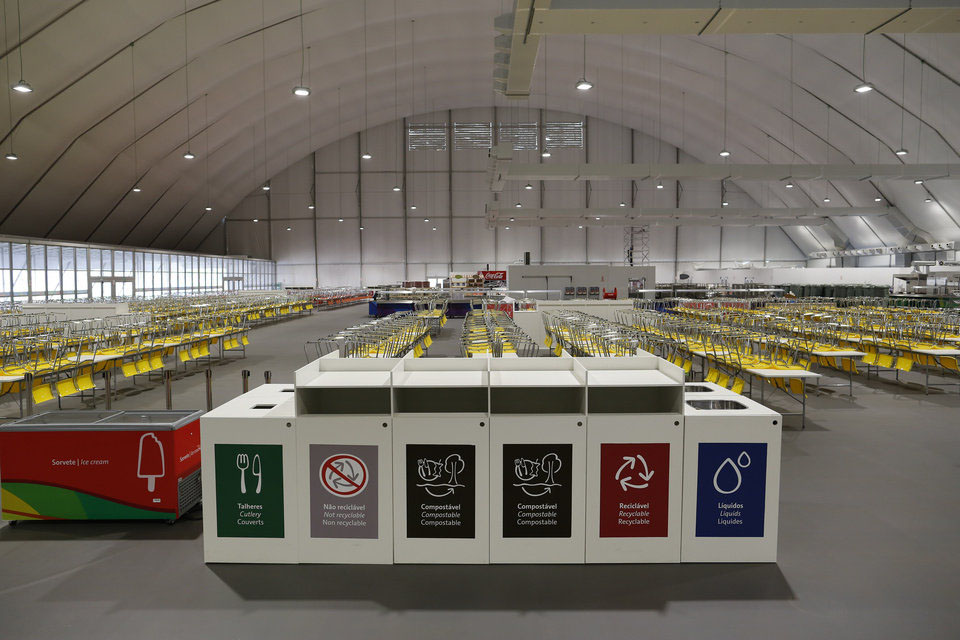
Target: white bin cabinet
(441, 457)
(731, 484)
(248, 448)
(634, 460)
(537, 460)
(345, 461)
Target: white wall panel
(338, 242)
(472, 241)
(382, 241)
(563, 245)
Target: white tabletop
(782, 373)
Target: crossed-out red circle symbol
(344, 475)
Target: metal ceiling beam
(657, 221)
(502, 169)
(642, 213)
(521, 30)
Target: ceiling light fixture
(579, 226)
(659, 185)
(426, 219)
(901, 152)
(528, 187)
(518, 205)
(724, 204)
(918, 181)
(864, 86)
(339, 219)
(434, 228)
(208, 208)
(311, 207)
(583, 84)
(396, 187)
(256, 219)
(365, 155)
(289, 229)
(507, 228)
(928, 199)
(23, 86)
(723, 150)
(511, 219)
(545, 154)
(826, 198)
(789, 185)
(188, 155)
(301, 91)
(12, 156)
(878, 199)
(265, 187)
(623, 204)
(724, 153)
(413, 207)
(136, 189)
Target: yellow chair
(66, 387)
(156, 362)
(548, 341)
(712, 375)
(904, 363)
(427, 341)
(244, 340)
(796, 386)
(85, 382)
(129, 369)
(847, 364)
(417, 351)
(42, 393)
(184, 355)
(870, 359)
(950, 362)
(194, 352)
(143, 365)
(204, 349)
(737, 386)
(885, 361)
(723, 380)
(687, 366)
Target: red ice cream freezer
(100, 465)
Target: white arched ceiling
(74, 134)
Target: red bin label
(634, 490)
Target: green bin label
(249, 490)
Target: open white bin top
(709, 405)
(258, 403)
(638, 371)
(346, 372)
(441, 372)
(536, 372)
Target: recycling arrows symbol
(631, 462)
(347, 471)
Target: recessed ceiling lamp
(188, 155)
(545, 154)
(528, 187)
(12, 156)
(265, 187)
(583, 84)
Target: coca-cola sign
(495, 276)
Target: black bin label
(441, 491)
(537, 492)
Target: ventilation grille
(427, 136)
(563, 135)
(522, 135)
(188, 492)
(472, 135)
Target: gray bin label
(343, 491)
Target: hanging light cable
(413, 103)
(864, 86)
(133, 104)
(188, 155)
(206, 152)
(365, 134)
(396, 91)
(902, 151)
(583, 84)
(723, 151)
(263, 87)
(301, 90)
(23, 86)
(11, 154)
(313, 182)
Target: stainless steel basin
(698, 388)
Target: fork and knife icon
(243, 463)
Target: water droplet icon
(744, 460)
(733, 480)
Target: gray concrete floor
(869, 526)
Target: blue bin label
(731, 489)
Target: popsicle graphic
(150, 460)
